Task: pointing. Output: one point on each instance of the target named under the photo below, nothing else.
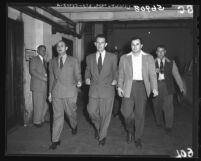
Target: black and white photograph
(117, 80)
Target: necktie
(45, 65)
(161, 67)
(61, 63)
(99, 63)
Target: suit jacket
(170, 72)
(101, 84)
(63, 81)
(125, 78)
(38, 71)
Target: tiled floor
(32, 140)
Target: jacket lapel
(129, 58)
(144, 64)
(105, 62)
(95, 65)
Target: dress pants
(100, 110)
(163, 103)
(133, 109)
(61, 105)
(40, 106)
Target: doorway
(14, 74)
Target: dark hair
(161, 46)
(137, 38)
(41, 46)
(61, 41)
(101, 36)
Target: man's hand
(157, 70)
(155, 93)
(183, 91)
(120, 92)
(114, 82)
(50, 97)
(79, 84)
(87, 81)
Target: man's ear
(105, 44)
(66, 47)
(94, 43)
(141, 45)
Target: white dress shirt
(63, 58)
(161, 75)
(41, 58)
(102, 55)
(137, 66)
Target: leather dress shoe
(138, 143)
(54, 145)
(38, 125)
(129, 138)
(96, 134)
(74, 131)
(102, 142)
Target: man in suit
(166, 70)
(137, 79)
(65, 75)
(101, 75)
(38, 73)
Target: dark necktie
(45, 65)
(61, 63)
(99, 63)
(161, 67)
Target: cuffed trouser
(59, 106)
(163, 103)
(40, 106)
(100, 110)
(133, 109)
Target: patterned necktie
(100, 63)
(161, 67)
(61, 63)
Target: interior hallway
(32, 140)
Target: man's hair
(137, 38)
(41, 46)
(101, 36)
(161, 46)
(61, 41)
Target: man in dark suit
(65, 77)
(166, 70)
(101, 75)
(137, 80)
(38, 73)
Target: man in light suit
(65, 77)
(166, 70)
(137, 79)
(101, 75)
(38, 73)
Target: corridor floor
(31, 140)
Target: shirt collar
(160, 60)
(40, 57)
(141, 53)
(103, 53)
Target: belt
(163, 80)
(138, 81)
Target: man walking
(101, 75)
(65, 75)
(137, 79)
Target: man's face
(160, 52)
(100, 44)
(61, 48)
(136, 46)
(42, 51)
